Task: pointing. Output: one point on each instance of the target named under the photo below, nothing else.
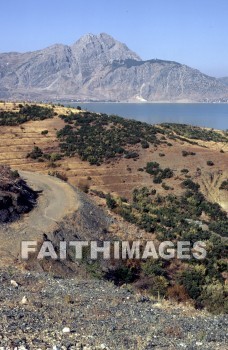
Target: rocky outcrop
(97, 67)
(16, 197)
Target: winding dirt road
(56, 200)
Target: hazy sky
(194, 32)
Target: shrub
(61, 176)
(194, 132)
(166, 173)
(158, 286)
(129, 155)
(122, 274)
(214, 297)
(90, 138)
(152, 168)
(167, 217)
(210, 163)
(153, 267)
(44, 132)
(157, 180)
(166, 187)
(55, 156)
(111, 203)
(177, 293)
(184, 171)
(36, 153)
(185, 153)
(190, 185)
(84, 186)
(26, 113)
(145, 144)
(224, 185)
(14, 174)
(193, 280)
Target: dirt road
(57, 200)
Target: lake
(211, 115)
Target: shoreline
(141, 102)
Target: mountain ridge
(98, 67)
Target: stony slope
(97, 316)
(100, 68)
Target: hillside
(98, 67)
(120, 174)
(98, 316)
(141, 182)
(224, 80)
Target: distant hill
(98, 67)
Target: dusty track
(57, 200)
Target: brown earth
(119, 176)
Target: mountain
(98, 67)
(224, 80)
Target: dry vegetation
(159, 158)
(118, 175)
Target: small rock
(14, 283)
(66, 330)
(24, 300)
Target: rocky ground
(43, 311)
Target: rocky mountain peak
(98, 67)
(103, 47)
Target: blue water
(211, 115)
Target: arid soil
(46, 311)
(56, 200)
(119, 176)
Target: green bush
(193, 280)
(190, 185)
(185, 153)
(14, 174)
(224, 185)
(111, 203)
(184, 171)
(26, 113)
(36, 153)
(194, 132)
(214, 297)
(210, 163)
(97, 138)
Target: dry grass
(119, 176)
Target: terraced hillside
(151, 178)
(118, 175)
